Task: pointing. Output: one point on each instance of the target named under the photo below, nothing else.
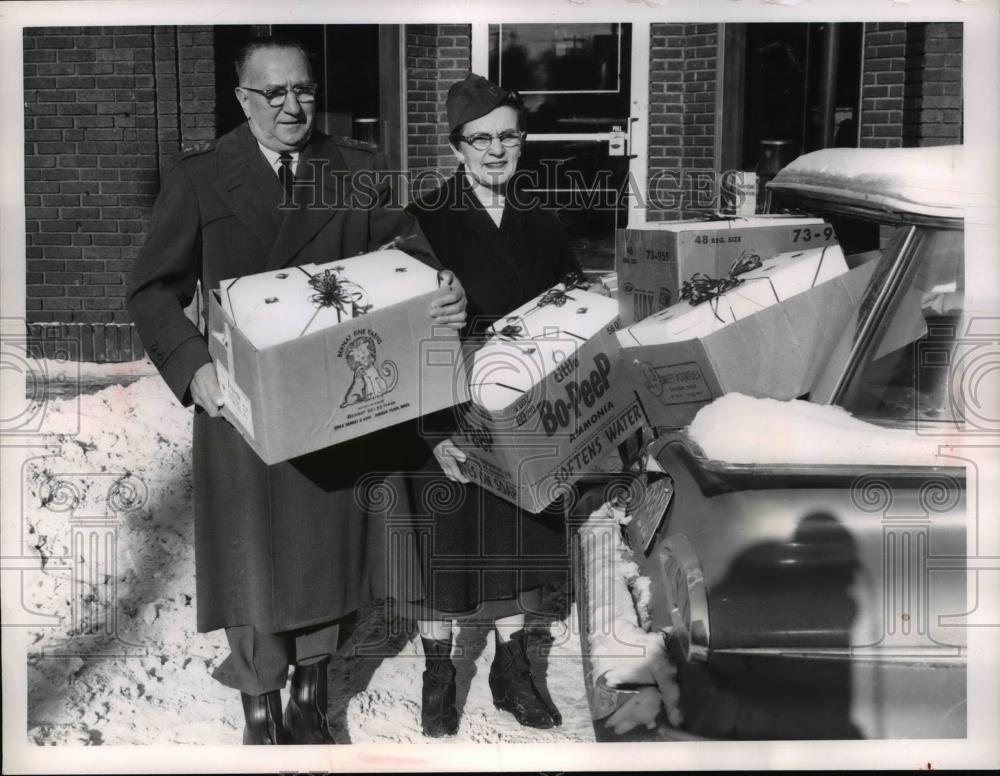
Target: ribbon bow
(702, 288)
(511, 331)
(334, 291)
(717, 215)
(558, 296)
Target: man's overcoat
(285, 546)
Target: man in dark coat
(280, 550)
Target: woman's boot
(438, 715)
(263, 719)
(305, 716)
(514, 688)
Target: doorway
(576, 80)
(791, 87)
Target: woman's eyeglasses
(482, 141)
(276, 97)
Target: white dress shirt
(274, 159)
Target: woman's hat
(470, 98)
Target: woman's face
(494, 166)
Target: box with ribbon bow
(653, 260)
(313, 355)
(549, 397)
(765, 329)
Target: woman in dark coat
(505, 249)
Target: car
(796, 569)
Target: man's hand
(449, 456)
(448, 307)
(205, 390)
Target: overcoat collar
(322, 192)
(248, 185)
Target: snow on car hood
(740, 429)
(929, 181)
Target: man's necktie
(285, 174)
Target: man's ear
(242, 98)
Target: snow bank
(742, 429)
(122, 662)
(89, 371)
(620, 649)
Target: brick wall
(911, 92)
(437, 55)
(105, 111)
(682, 136)
(932, 95)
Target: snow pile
(742, 429)
(109, 513)
(107, 509)
(621, 650)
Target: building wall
(911, 85)
(437, 55)
(932, 97)
(105, 110)
(683, 80)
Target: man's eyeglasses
(482, 141)
(276, 97)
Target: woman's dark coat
(485, 548)
(285, 546)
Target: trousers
(258, 662)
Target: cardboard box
(654, 260)
(550, 400)
(777, 279)
(349, 379)
(277, 306)
(777, 352)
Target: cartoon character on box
(371, 379)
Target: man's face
(287, 127)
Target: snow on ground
(124, 664)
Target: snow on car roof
(922, 181)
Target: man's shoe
(263, 719)
(438, 716)
(305, 715)
(514, 688)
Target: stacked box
(769, 337)
(654, 260)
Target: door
(576, 83)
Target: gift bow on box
(334, 291)
(556, 297)
(745, 291)
(702, 288)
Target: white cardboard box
(304, 393)
(277, 306)
(550, 399)
(655, 259)
(776, 352)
